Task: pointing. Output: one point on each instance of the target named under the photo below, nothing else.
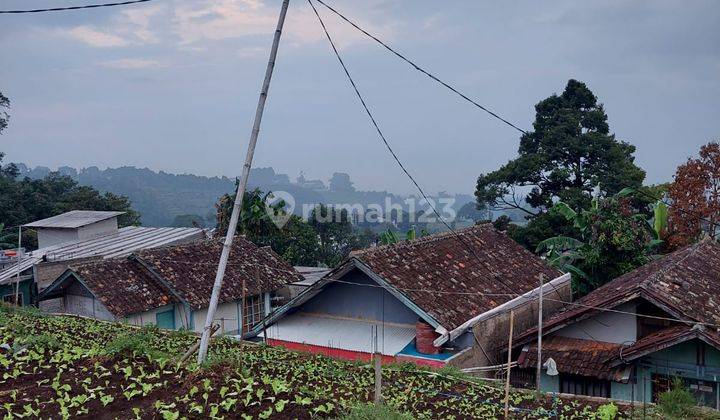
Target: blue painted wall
(27, 288)
(363, 302)
(677, 361)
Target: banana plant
(391, 237)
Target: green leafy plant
(678, 402)
(374, 412)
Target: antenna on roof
(237, 206)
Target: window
(10, 299)
(584, 385)
(705, 392)
(253, 312)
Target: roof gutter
(511, 304)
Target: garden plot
(69, 367)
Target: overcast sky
(172, 84)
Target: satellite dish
(551, 367)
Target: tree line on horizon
(585, 203)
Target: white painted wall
(86, 306)
(609, 327)
(149, 317)
(102, 227)
(50, 237)
(228, 311)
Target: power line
(422, 70)
(447, 292)
(384, 140)
(379, 131)
(61, 9)
(454, 90)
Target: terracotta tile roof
(123, 286)
(668, 337)
(685, 282)
(190, 269)
(443, 262)
(127, 286)
(576, 356)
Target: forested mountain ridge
(160, 197)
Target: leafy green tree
(6, 238)
(569, 153)
(295, 241)
(4, 116)
(335, 233)
(614, 239)
(28, 200)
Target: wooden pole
(17, 277)
(242, 326)
(195, 346)
(242, 311)
(378, 371)
(237, 205)
(509, 361)
(538, 373)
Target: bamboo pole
(17, 277)
(509, 361)
(539, 339)
(378, 369)
(195, 346)
(242, 325)
(237, 205)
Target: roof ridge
(423, 239)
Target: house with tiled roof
(72, 237)
(171, 286)
(436, 300)
(631, 337)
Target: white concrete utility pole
(237, 206)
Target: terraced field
(69, 367)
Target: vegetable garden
(68, 367)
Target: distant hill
(160, 197)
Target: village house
(171, 286)
(78, 235)
(436, 300)
(631, 337)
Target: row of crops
(68, 367)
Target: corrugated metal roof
(124, 242)
(74, 219)
(9, 273)
(341, 333)
(310, 274)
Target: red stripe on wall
(350, 354)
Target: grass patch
(138, 343)
(374, 412)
